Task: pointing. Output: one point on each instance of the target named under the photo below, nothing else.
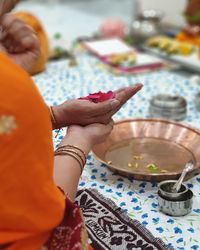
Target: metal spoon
(188, 167)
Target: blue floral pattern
(139, 199)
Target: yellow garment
(30, 203)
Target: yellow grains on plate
(137, 157)
(136, 165)
(133, 165)
(164, 171)
(109, 162)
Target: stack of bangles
(73, 151)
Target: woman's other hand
(6, 6)
(88, 136)
(18, 41)
(85, 112)
(67, 170)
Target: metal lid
(167, 106)
(168, 101)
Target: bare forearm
(67, 170)
(66, 174)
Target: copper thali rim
(155, 175)
(159, 120)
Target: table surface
(138, 199)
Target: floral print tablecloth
(138, 199)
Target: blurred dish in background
(171, 46)
(184, 53)
(121, 58)
(124, 60)
(147, 24)
(113, 27)
(168, 107)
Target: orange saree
(31, 206)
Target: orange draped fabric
(30, 203)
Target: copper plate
(139, 142)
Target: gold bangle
(73, 156)
(71, 151)
(53, 119)
(73, 147)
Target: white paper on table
(108, 47)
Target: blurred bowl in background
(147, 24)
(168, 107)
(113, 27)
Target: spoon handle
(187, 168)
(177, 185)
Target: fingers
(119, 90)
(99, 109)
(123, 95)
(111, 123)
(108, 127)
(126, 93)
(19, 30)
(17, 36)
(123, 88)
(6, 6)
(30, 42)
(96, 110)
(7, 21)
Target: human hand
(18, 41)
(6, 6)
(84, 112)
(88, 136)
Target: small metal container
(174, 204)
(169, 107)
(197, 101)
(146, 24)
(165, 189)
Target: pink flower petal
(99, 97)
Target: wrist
(58, 114)
(52, 117)
(79, 141)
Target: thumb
(6, 6)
